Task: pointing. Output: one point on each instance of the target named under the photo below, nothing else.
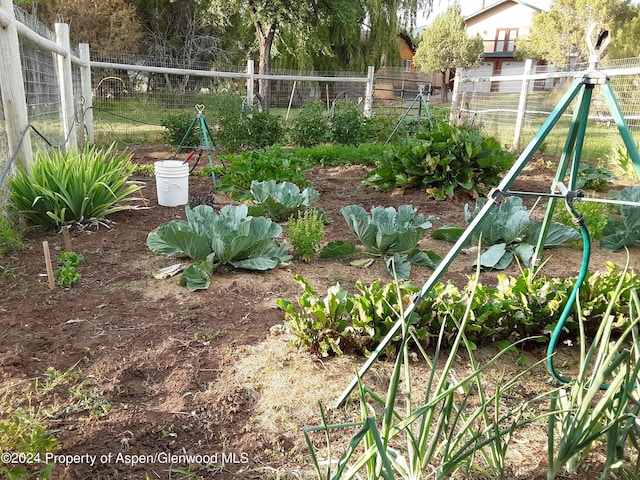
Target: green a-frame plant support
(582, 89)
(205, 139)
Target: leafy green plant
(229, 237)
(67, 273)
(508, 232)
(623, 231)
(327, 155)
(10, 238)
(279, 201)
(24, 434)
(272, 163)
(517, 307)
(442, 161)
(388, 233)
(620, 157)
(594, 178)
(375, 311)
(595, 215)
(177, 127)
(347, 124)
(311, 126)
(64, 188)
(144, 170)
(322, 324)
(306, 231)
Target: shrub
(347, 124)
(241, 127)
(64, 188)
(311, 126)
(177, 127)
(263, 130)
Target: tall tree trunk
(266, 35)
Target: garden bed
(153, 369)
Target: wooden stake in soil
(67, 239)
(47, 260)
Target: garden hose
(578, 219)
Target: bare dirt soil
(155, 372)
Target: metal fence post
(14, 102)
(65, 80)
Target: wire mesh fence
(492, 102)
(130, 101)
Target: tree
(559, 35)
(184, 33)
(108, 25)
(303, 20)
(446, 45)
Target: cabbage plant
(388, 233)
(279, 201)
(508, 232)
(230, 237)
(623, 231)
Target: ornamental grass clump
(74, 187)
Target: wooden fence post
(368, 95)
(87, 93)
(522, 104)
(250, 82)
(65, 80)
(14, 101)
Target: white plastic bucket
(172, 182)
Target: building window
(407, 65)
(505, 39)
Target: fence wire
(492, 104)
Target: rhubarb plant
(230, 237)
